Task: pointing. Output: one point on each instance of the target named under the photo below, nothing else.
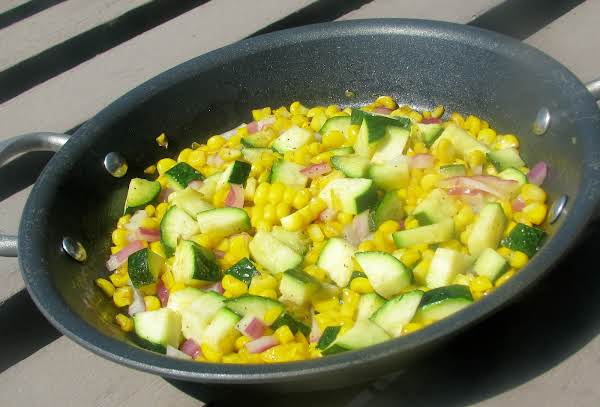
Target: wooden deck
(63, 61)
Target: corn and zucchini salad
(312, 231)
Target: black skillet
(422, 63)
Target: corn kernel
(316, 272)
(261, 195)
(106, 286)
(535, 212)
(119, 279)
(437, 112)
(504, 278)
(276, 192)
(445, 151)
(123, 296)
(480, 284)
(272, 315)
(506, 141)
(269, 293)
(301, 199)
(165, 165)
(366, 246)
(411, 327)
(410, 257)
(518, 259)
(333, 139)
(386, 101)
(124, 322)
(487, 136)
(152, 303)
(119, 237)
(284, 334)
(241, 342)
(475, 158)
(361, 285)
(210, 354)
(151, 169)
(533, 193)
(162, 140)
(167, 279)
(297, 108)
(315, 233)
(458, 119)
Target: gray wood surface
(63, 373)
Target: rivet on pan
(557, 208)
(74, 249)
(115, 164)
(542, 121)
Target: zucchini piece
(288, 173)
(390, 176)
(397, 312)
(507, 158)
(358, 116)
(341, 151)
(364, 333)
(328, 337)
(445, 265)
(487, 229)
(436, 233)
(297, 287)
(353, 166)
(462, 141)
(176, 223)
(244, 270)
(525, 239)
(372, 130)
(292, 139)
(368, 305)
(194, 262)
(191, 201)
(297, 241)
(387, 274)
(292, 323)
(352, 195)
(453, 170)
(254, 154)
(141, 192)
(336, 260)
(221, 333)
(388, 208)
(224, 221)
(144, 267)
(196, 316)
(436, 207)
(339, 123)
(490, 264)
(514, 175)
(160, 328)
(260, 139)
(273, 254)
(180, 175)
(181, 300)
(441, 302)
(236, 173)
(392, 145)
(253, 305)
(357, 274)
(210, 185)
(429, 132)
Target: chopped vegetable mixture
(313, 231)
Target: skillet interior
(417, 62)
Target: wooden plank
(573, 40)
(41, 31)
(458, 11)
(83, 379)
(7, 5)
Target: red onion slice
(251, 326)
(219, 254)
(235, 196)
(190, 348)
(196, 184)
(149, 235)
(176, 353)
(422, 161)
(315, 331)
(217, 287)
(382, 110)
(431, 120)
(358, 229)
(262, 344)
(493, 185)
(162, 293)
(317, 169)
(518, 204)
(327, 215)
(538, 173)
(120, 257)
(252, 127)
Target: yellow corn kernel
(315, 233)
(123, 220)
(284, 334)
(518, 259)
(411, 327)
(480, 284)
(119, 237)
(411, 223)
(165, 165)
(410, 257)
(445, 151)
(215, 143)
(301, 198)
(318, 120)
(504, 277)
(167, 279)
(361, 285)
(232, 284)
(533, 193)
(487, 136)
(241, 342)
(123, 296)
(197, 159)
(151, 169)
(125, 322)
(269, 293)
(177, 286)
(333, 139)
(161, 209)
(520, 217)
(152, 303)
(261, 195)
(429, 181)
(389, 226)
(316, 272)
(506, 141)
(464, 216)
(420, 271)
(231, 358)
(330, 230)
(462, 279)
(297, 108)
(264, 225)
(366, 246)
(162, 140)
(106, 286)
(475, 158)
(437, 112)
(148, 289)
(386, 101)
(535, 212)
(473, 124)
(229, 154)
(269, 213)
(184, 154)
(458, 119)
(210, 354)
(272, 315)
(119, 279)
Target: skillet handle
(594, 88)
(14, 147)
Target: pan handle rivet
(115, 164)
(557, 208)
(542, 122)
(74, 249)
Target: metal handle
(14, 147)
(594, 88)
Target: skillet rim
(70, 324)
